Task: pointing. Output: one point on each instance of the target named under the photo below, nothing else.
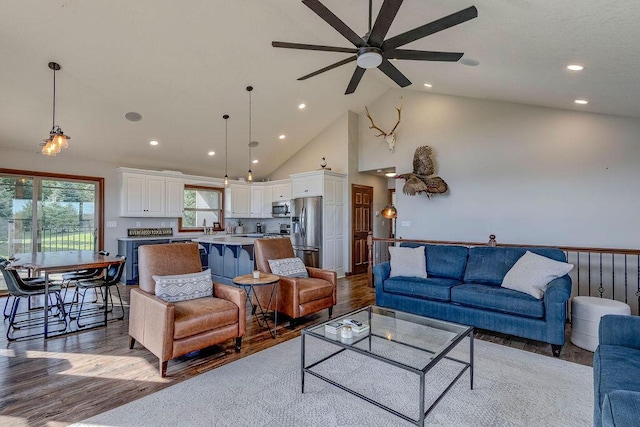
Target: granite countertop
(182, 236)
(226, 240)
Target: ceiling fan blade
(423, 55)
(335, 22)
(393, 73)
(385, 17)
(355, 80)
(430, 28)
(287, 45)
(329, 67)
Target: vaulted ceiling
(182, 65)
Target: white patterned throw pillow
(408, 262)
(289, 267)
(182, 287)
(532, 273)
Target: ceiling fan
(372, 50)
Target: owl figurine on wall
(420, 181)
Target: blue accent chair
(616, 372)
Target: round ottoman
(585, 318)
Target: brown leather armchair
(297, 297)
(170, 330)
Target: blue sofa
(616, 372)
(463, 286)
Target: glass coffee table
(407, 341)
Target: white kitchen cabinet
(174, 203)
(267, 199)
(257, 196)
(237, 201)
(142, 195)
(306, 186)
(281, 192)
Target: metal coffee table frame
(465, 331)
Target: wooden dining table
(60, 262)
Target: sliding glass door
(48, 213)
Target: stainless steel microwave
(280, 209)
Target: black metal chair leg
(6, 305)
(121, 304)
(84, 294)
(12, 317)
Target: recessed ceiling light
(211, 153)
(427, 85)
(132, 116)
(390, 174)
(575, 67)
(469, 62)
(283, 136)
(255, 161)
(153, 142)
(302, 106)
(581, 101)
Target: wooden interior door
(361, 210)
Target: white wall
(527, 174)
(380, 192)
(331, 144)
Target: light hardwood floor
(67, 379)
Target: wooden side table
(248, 282)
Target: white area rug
(511, 388)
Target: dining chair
(18, 290)
(28, 281)
(91, 273)
(114, 274)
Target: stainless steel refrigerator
(306, 229)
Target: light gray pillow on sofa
(408, 262)
(532, 273)
(289, 267)
(182, 287)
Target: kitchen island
(128, 246)
(229, 256)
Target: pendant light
(251, 143)
(226, 149)
(57, 139)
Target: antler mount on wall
(390, 137)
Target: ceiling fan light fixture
(369, 57)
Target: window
(203, 207)
(46, 213)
